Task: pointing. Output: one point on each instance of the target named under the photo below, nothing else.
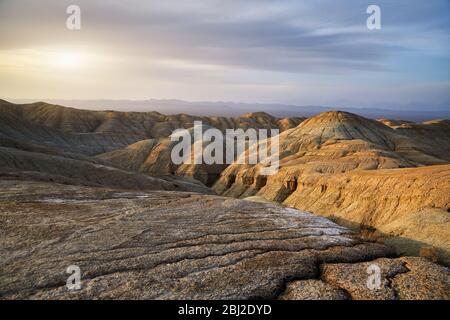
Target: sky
(294, 52)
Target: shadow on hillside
(403, 246)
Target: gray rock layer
(170, 245)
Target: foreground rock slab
(409, 278)
(173, 245)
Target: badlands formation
(391, 184)
(97, 189)
(130, 141)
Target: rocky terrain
(180, 245)
(363, 174)
(132, 141)
(98, 189)
(433, 136)
(153, 157)
(114, 127)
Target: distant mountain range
(233, 109)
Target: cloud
(220, 40)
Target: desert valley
(98, 189)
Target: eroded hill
(353, 170)
(98, 189)
(131, 141)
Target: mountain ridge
(234, 109)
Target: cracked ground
(181, 245)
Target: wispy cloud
(173, 47)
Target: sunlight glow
(69, 60)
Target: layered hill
(351, 169)
(433, 135)
(79, 170)
(131, 141)
(29, 150)
(375, 175)
(145, 124)
(19, 126)
(55, 140)
(153, 157)
(365, 143)
(98, 189)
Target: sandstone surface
(175, 245)
(363, 174)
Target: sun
(69, 60)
